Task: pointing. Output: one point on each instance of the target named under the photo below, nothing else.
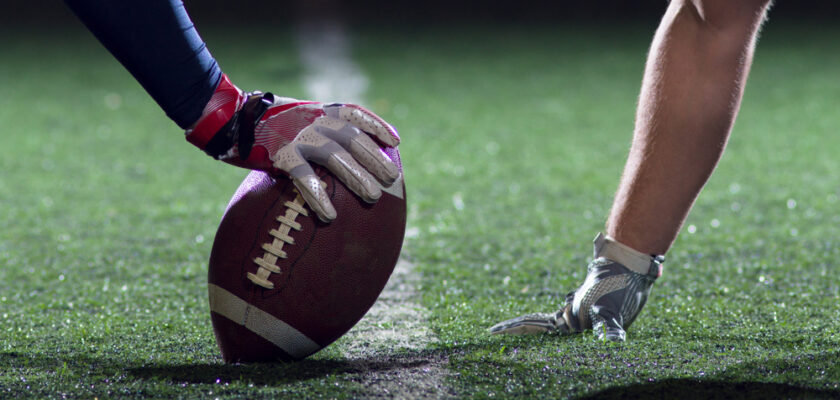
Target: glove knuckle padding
(342, 134)
(311, 137)
(366, 121)
(329, 122)
(300, 150)
(322, 153)
(288, 158)
(611, 295)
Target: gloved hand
(281, 135)
(609, 300)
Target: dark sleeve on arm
(158, 43)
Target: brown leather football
(283, 284)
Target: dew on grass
(715, 223)
(791, 204)
(492, 148)
(734, 187)
(113, 101)
(457, 170)
(692, 229)
(458, 201)
(412, 232)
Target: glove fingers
(607, 324)
(364, 150)
(526, 325)
(342, 164)
(364, 120)
(316, 144)
(308, 184)
(368, 153)
(608, 329)
(313, 192)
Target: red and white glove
(282, 135)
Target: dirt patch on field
(390, 345)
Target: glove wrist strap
(223, 105)
(245, 121)
(239, 129)
(641, 263)
(229, 119)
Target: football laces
(273, 251)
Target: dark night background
(53, 14)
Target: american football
(282, 284)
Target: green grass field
(513, 141)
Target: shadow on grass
(808, 376)
(281, 373)
(745, 381)
(711, 389)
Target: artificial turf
(513, 141)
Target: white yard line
(330, 73)
(387, 345)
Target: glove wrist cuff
(223, 105)
(636, 261)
